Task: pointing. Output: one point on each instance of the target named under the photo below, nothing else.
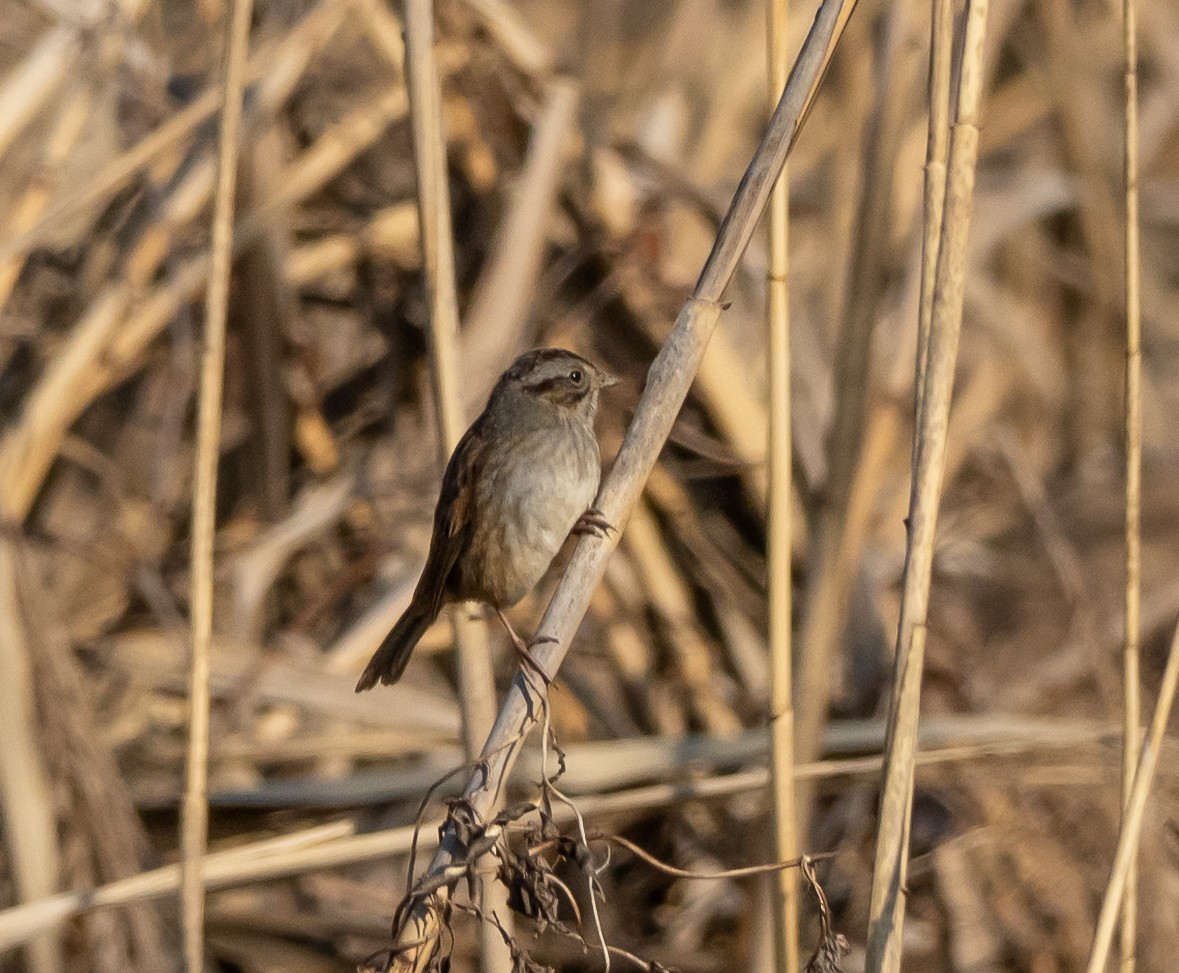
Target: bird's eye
(576, 376)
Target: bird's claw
(524, 650)
(593, 523)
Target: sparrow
(521, 479)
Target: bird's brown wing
(453, 522)
(453, 517)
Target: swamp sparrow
(520, 480)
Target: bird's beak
(605, 380)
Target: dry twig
(1135, 809)
(780, 529)
(195, 810)
(892, 843)
(476, 679)
(1131, 678)
(29, 818)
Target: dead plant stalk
(497, 317)
(107, 344)
(1135, 807)
(669, 379)
(941, 42)
(1132, 703)
(195, 809)
(26, 793)
(851, 482)
(476, 679)
(312, 30)
(887, 909)
(780, 544)
(335, 844)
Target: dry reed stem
(30, 820)
(845, 14)
(475, 676)
(67, 127)
(841, 524)
(1135, 807)
(254, 571)
(101, 814)
(437, 240)
(195, 809)
(941, 43)
(335, 844)
(669, 379)
(884, 421)
(265, 307)
(157, 655)
(32, 83)
(886, 125)
(511, 32)
(1132, 701)
(334, 150)
(64, 389)
(108, 342)
(669, 598)
(887, 908)
(385, 31)
(780, 529)
(496, 321)
(738, 409)
(308, 34)
(21, 923)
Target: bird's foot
(592, 522)
(531, 663)
(524, 650)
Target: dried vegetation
(592, 149)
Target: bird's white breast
(530, 497)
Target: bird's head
(560, 379)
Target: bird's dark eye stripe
(546, 385)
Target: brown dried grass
(105, 196)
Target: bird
(522, 478)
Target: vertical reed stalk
(887, 910)
(779, 509)
(842, 517)
(476, 680)
(941, 41)
(1132, 703)
(195, 809)
(27, 812)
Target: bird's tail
(391, 658)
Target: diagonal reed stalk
(1132, 703)
(194, 818)
(1135, 808)
(476, 679)
(887, 910)
(28, 87)
(669, 380)
(780, 543)
(67, 129)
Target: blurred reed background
(592, 148)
